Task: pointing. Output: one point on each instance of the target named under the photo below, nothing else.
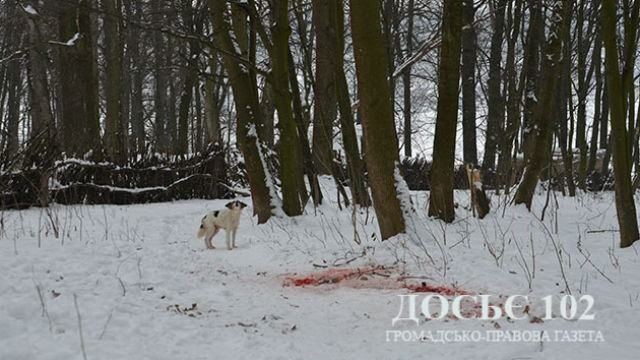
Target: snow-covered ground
(133, 282)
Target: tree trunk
(198, 128)
(115, 136)
(597, 114)
(495, 101)
(355, 165)
(186, 96)
(193, 23)
(468, 73)
(543, 124)
(505, 168)
(444, 143)
(377, 114)
(211, 106)
(171, 129)
(390, 19)
(268, 110)
(324, 109)
(406, 81)
(78, 83)
(563, 109)
(41, 115)
(249, 122)
(137, 81)
(305, 149)
(14, 84)
(535, 39)
(306, 35)
(625, 204)
(604, 120)
(582, 92)
(161, 83)
(289, 147)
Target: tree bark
(211, 106)
(78, 83)
(597, 113)
(377, 114)
(41, 115)
(161, 84)
(468, 73)
(563, 109)
(495, 101)
(543, 124)
(14, 84)
(535, 39)
(583, 44)
(115, 135)
(191, 79)
(355, 165)
(289, 147)
(249, 123)
(324, 109)
(406, 81)
(134, 8)
(305, 149)
(514, 91)
(625, 204)
(444, 143)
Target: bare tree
(468, 73)
(625, 204)
(289, 147)
(377, 114)
(115, 135)
(78, 84)
(441, 196)
(537, 156)
(324, 110)
(249, 124)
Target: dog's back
(227, 219)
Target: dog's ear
(230, 205)
(242, 205)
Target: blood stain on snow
(442, 290)
(369, 277)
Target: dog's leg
(210, 237)
(233, 238)
(209, 243)
(228, 234)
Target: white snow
(137, 271)
(29, 9)
(70, 42)
(276, 202)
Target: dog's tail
(202, 230)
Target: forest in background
(544, 89)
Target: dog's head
(236, 205)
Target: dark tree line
(546, 89)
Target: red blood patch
(304, 281)
(331, 276)
(377, 277)
(443, 290)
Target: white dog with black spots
(227, 219)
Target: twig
(75, 303)
(104, 329)
(45, 312)
(234, 190)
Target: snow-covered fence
(74, 181)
